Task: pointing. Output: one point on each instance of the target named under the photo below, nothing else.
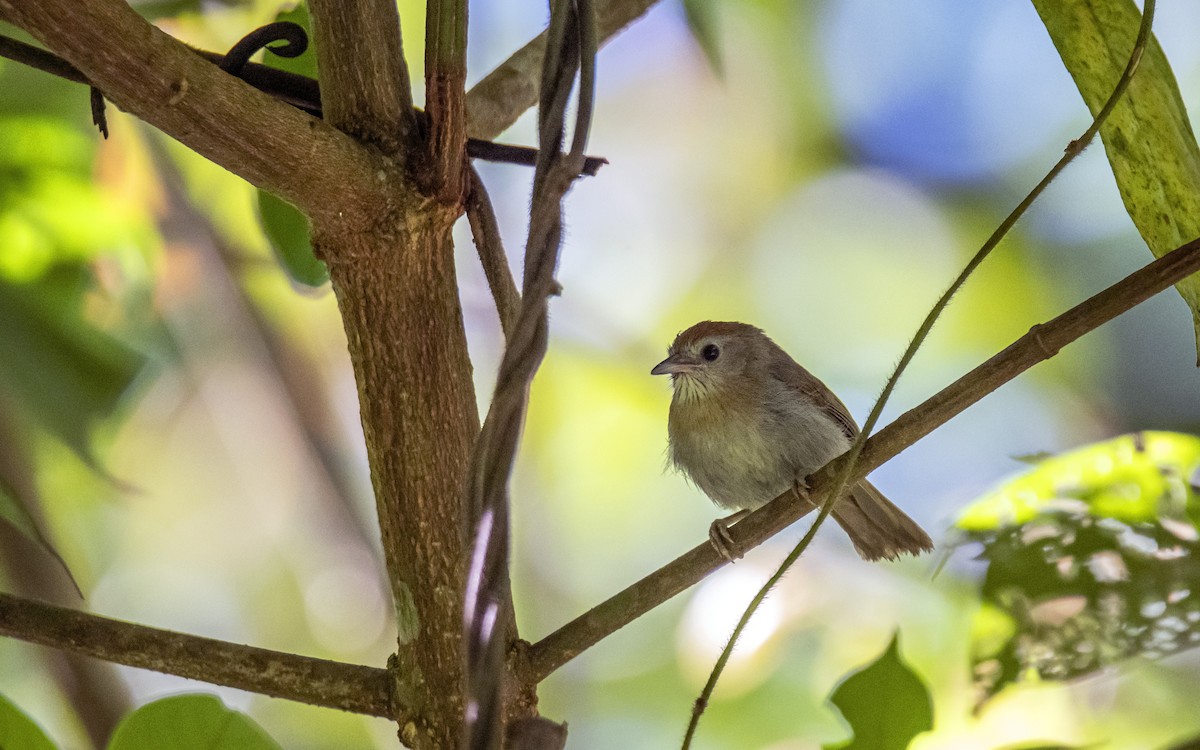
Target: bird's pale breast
(743, 453)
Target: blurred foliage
(827, 186)
(885, 703)
(18, 732)
(62, 372)
(1091, 558)
(189, 722)
(285, 227)
(67, 373)
(702, 19)
(1148, 137)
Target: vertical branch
(571, 47)
(365, 87)
(394, 277)
(445, 97)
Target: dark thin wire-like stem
(299, 91)
(1073, 149)
(572, 48)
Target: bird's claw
(800, 489)
(722, 541)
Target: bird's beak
(676, 364)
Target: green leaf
(17, 731)
(65, 371)
(287, 231)
(1148, 137)
(285, 226)
(189, 722)
(701, 16)
(1125, 478)
(1092, 557)
(886, 704)
(305, 64)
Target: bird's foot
(800, 490)
(722, 540)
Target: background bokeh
(826, 184)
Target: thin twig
(319, 682)
(485, 231)
(1075, 148)
(496, 102)
(585, 631)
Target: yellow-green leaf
(18, 731)
(1148, 137)
(189, 722)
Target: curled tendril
(293, 36)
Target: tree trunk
(396, 288)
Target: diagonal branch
(164, 82)
(299, 91)
(320, 682)
(1042, 342)
(496, 102)
(485, 231)
(365, 87)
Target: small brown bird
(747, 423)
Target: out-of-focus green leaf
(1052, 746)
(52, 212)
(1126, 478)
(1092, 558)
(1148, 137)
(17, 731)
(67, 373)
(287, 230)
(305, 64)
(16, 513)
(886, 704)
(189, 722)
(1188, 744)
(701, 18)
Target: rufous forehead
(707, 329)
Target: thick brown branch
(1042, 342)
(496, 102)
(162, 81)
(299, 91)
(349, 687)
(365, 87)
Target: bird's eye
(710, 352)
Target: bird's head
(713, 358)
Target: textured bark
(397, 292)
(365, 88)
(321, 682)
(396, 288)
(159, 79)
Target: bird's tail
(877, 527)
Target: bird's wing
(796, 378)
